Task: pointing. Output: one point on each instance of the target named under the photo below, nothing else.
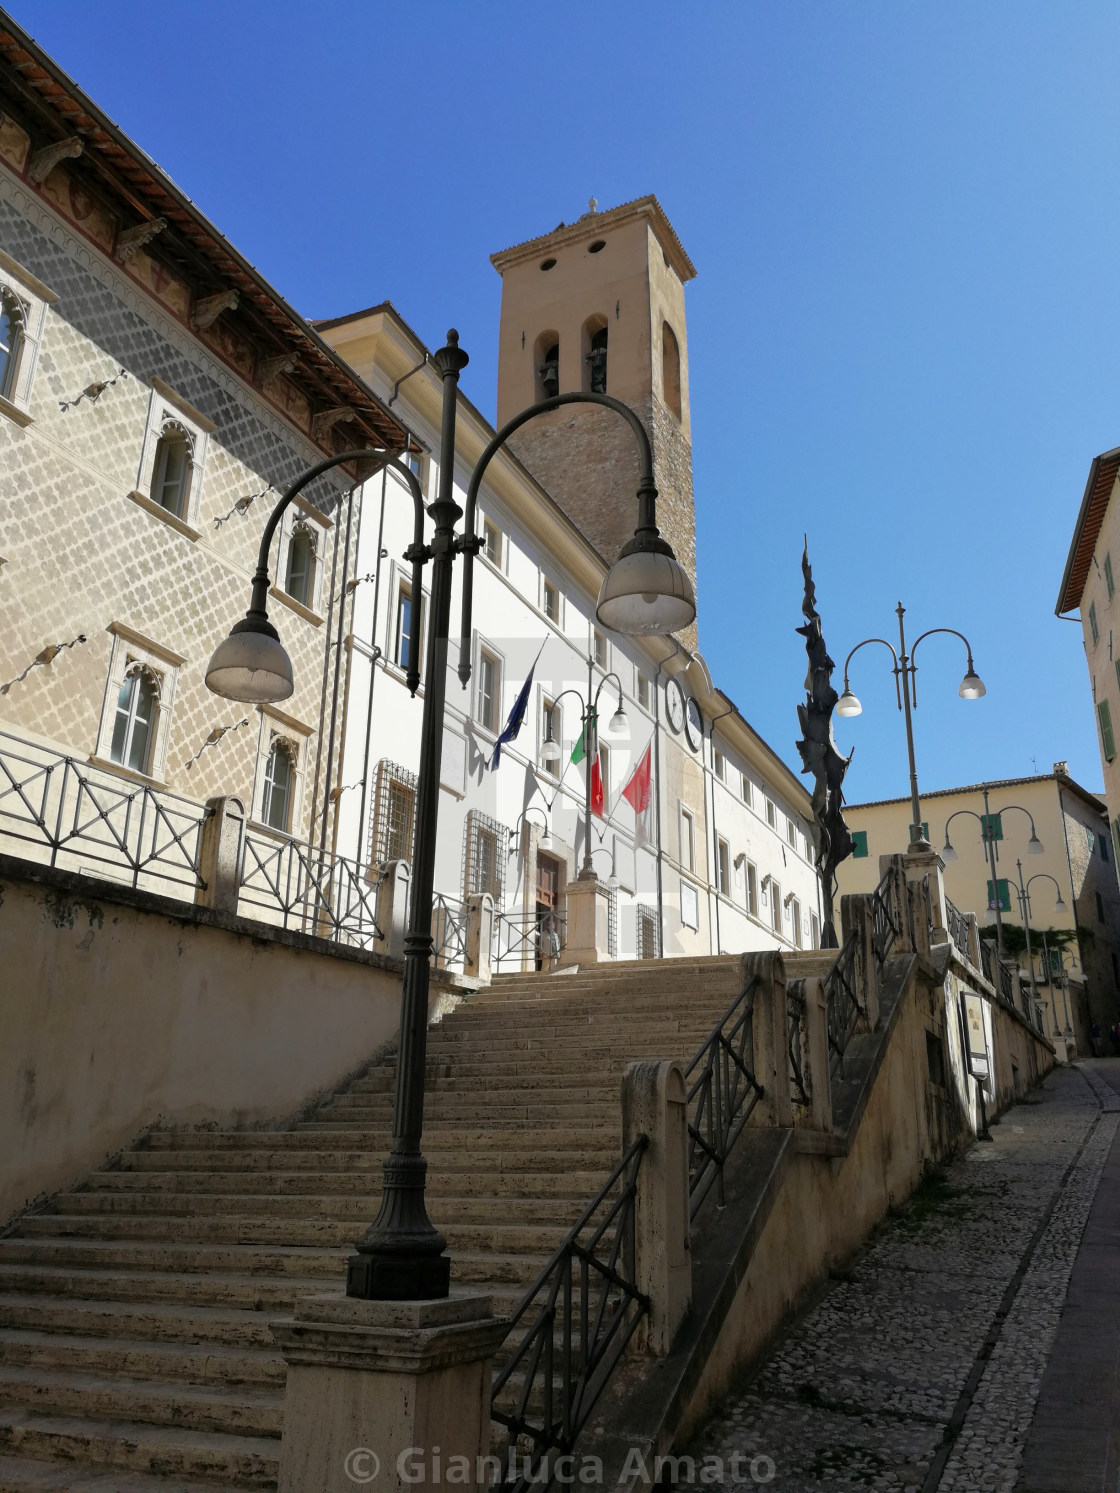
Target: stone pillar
(480, 936)
(586, 903)
(893, 868)
(771, 1058)
(857, 917)
(973, 940)
(219, 854)
(375, 1387)
(654, 1104)
(923, 864)
(920, 907)
(392, 907)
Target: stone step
(248, 1292)
(567, 1090)
(158, 1322)
(158, 1239)
(170, 1452)
(306, 1262)
(491, 1143)
(104, 1188)
(355, 1209)
(18, 1475)
(247, 1412)
(123, 1358)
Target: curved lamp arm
(258, 604)
(970, 669)
(470, 543)
(599, 691)
(893, 654)
(1044, 876)
(571, 690)
(1030, 816)
(955, 814)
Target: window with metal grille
(393, 825)
(648, 939)
(612, 924)
(484, 857)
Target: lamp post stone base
(389, 1391)
(587, 905)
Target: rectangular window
(991, 827)
(394, 811)
(775, 906)
(795, 919)
(1110, 584)
(1100, 907)
(859, 844)
(416, 462)
(746, 790)
(791, 833)
(1093, 628)
(1090, 838)
(403, 639)
(484, 857)
(599, 648)
(771, 814)
(492, 542)
(718, 764)
(935, 1059)
(643, 691)
(752, 890)
(550, 602)
(723, 867)
(489, 689)
(688, 839)
(1104, 847)
(1004, 896)
(134, 725)
(815, 930)
(1108, 743)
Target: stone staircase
(135, 1352)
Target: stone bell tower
(598, 305)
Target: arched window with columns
(171, 474)
(12, 331)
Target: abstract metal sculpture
(820, 757)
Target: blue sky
(905, 220)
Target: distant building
(1078, 853)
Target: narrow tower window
(596, 357)
(670, 369)
(547, 361)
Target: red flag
(597, 786)
(638, 793)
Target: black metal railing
(797, 1043)
(295, 885)
(1006, 985)
(987, 962)
(958, 928)
(885, 929)
(572, 1327)
(722, 1090)
(57, 811)
(532, 940)
(449, 931)
(843, 1004)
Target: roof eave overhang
(1098, 490)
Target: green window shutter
(1093, 628)
(859, 843)
(925, 829)
(1108, 743)
(991, 826)
(1118, 671)
(1109, 582)
(1004, 892)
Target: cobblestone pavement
(920, 1366)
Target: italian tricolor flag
(588, 746)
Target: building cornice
(591, 224)
(1094, 505)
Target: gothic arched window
(134, 727)
(171, 475)
(11, 341)
(301, 565)
(276, 808)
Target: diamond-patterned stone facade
(80, 554)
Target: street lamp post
(589, 716)
(1025, 910)
(988, 837)
(906, 692)
(401, 1255)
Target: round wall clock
(693, 725)
(674, 705)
